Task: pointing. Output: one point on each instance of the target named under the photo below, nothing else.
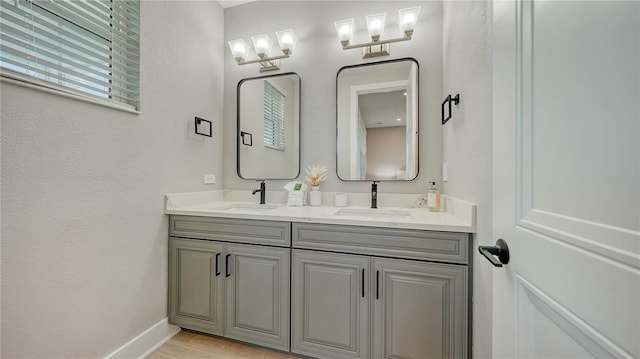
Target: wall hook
(449, 99)
(198, 121)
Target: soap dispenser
(433, 198)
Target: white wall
(317, 58)
(468, 141)
(84, 237)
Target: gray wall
(468, 140)
(84, 237)
(452, 44)
(317, 58)
(83, 251)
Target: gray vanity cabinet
(406, 304)
(322, 290)
(195, 291)
(419, 310)
(257, 295)
(330, 305)
(222, 282)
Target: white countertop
(458, 217)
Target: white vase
(315, 196)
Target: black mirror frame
(239, 133)
(417, 118)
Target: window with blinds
(273, 117)
(82, 47)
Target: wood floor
(191, 345)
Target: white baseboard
(146, 342)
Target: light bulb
(344, 32)
(240, 50)
(345, 29)
(262, 44)
(375, 25)
(408, 18)
(286, 40)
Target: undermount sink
(373, 213)
(247, 207)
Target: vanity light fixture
(262, 45)
(407, 19)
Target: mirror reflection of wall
(269, 115)
(377, 121)
(383, 116)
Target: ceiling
(226, 4)
(382, 109)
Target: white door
(567, 179)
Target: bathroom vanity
(366, 292)
(230, 277)
(315, 281)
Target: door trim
(587, 336)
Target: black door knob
(501, 250)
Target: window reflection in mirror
(269, 127)
(377, 121)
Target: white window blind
(89, 47)
(273, 117)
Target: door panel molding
(269, 264)
(186, 280)
(614, 243)
(258, 282)
(205, 259)
(591, 340)
(390, 282)
(524, 107)
(439, 284)
(326, 285)
(349, 274)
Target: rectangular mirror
(377, 121)
(269, 127)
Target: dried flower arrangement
(315, 175)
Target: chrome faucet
(374, 194)
(262, 190)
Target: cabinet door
(195, 285)
(419, 310)
(258, 305)
(330, 305)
